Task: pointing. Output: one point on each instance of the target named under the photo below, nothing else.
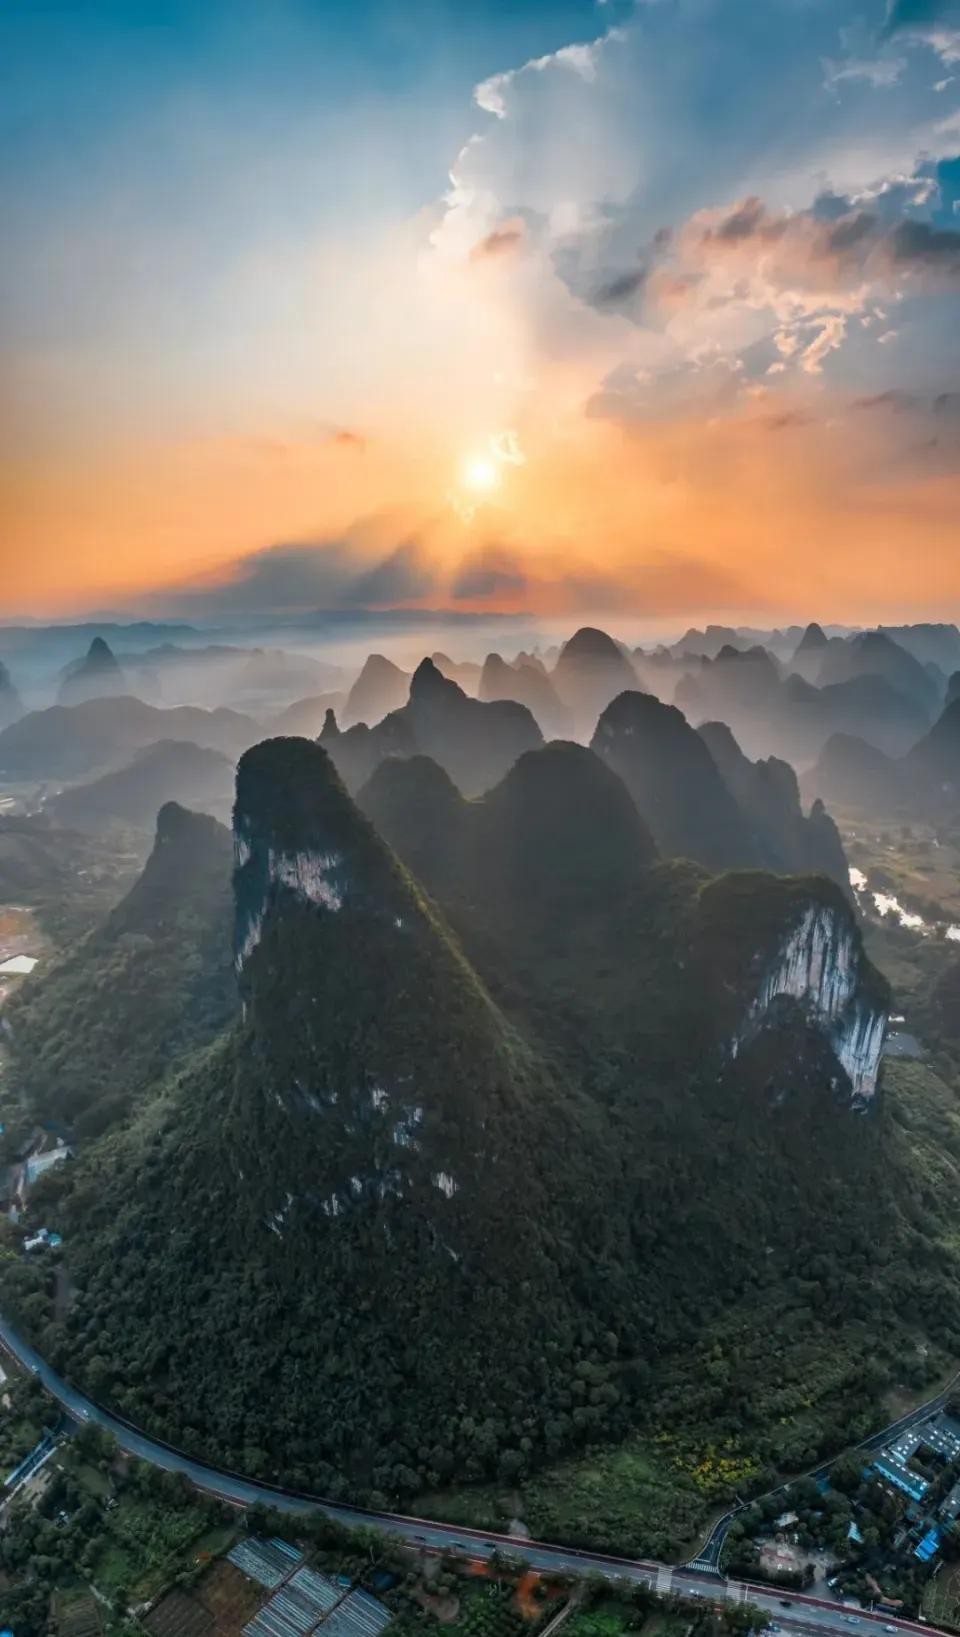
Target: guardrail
(512, 1542)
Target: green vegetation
(139, 993)
(633, 1497)
(25, 1415)
(504, 1118)
(122, 1529)
(71, 880)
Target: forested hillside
(404, 1225)
(128, 1002)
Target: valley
(390, 1025)
(480, 818)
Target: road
(793, 1613)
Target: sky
(647, 307)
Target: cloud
(733, 210)
(933, 22)
(786, 420)
(499, 241)
(621, 287)
(920, 244)
(876, 71)
(402, 576)
(374, 564)
(493, 95)
(828, 339)
(277, 579)
(489, 572)
(505, 447)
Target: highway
(791, 1612)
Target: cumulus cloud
(697, 259)
(736, 212)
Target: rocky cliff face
(262, 869)
(357, 1008)
(819, 964)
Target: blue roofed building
(927, 1547)
(902, 1478)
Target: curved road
(709, 1555)
(795, 1613)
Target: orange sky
(738, 515)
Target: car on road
(851, 1620)
(890, 1628)
(785, 1603)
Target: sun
(480, 474)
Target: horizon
(565, 311)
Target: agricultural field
(941, 1599)
(76, 1613)
(178, 1615)
(148, 1539)
(486, 1609)
(229, 1596)
(919, 863)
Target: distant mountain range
(127, 1004)
(460, 1148)
(479, 1100)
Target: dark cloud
(820, 250)
(500, 242)
(849, 230)
(345, 573)
(488, 573)
(892, 399)
(920, 242)
(787, 419)
(917, 424)
(750, 219)
(275, 580)
(620, 287)
(828, 206)
(402, 576)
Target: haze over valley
(480, 818)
